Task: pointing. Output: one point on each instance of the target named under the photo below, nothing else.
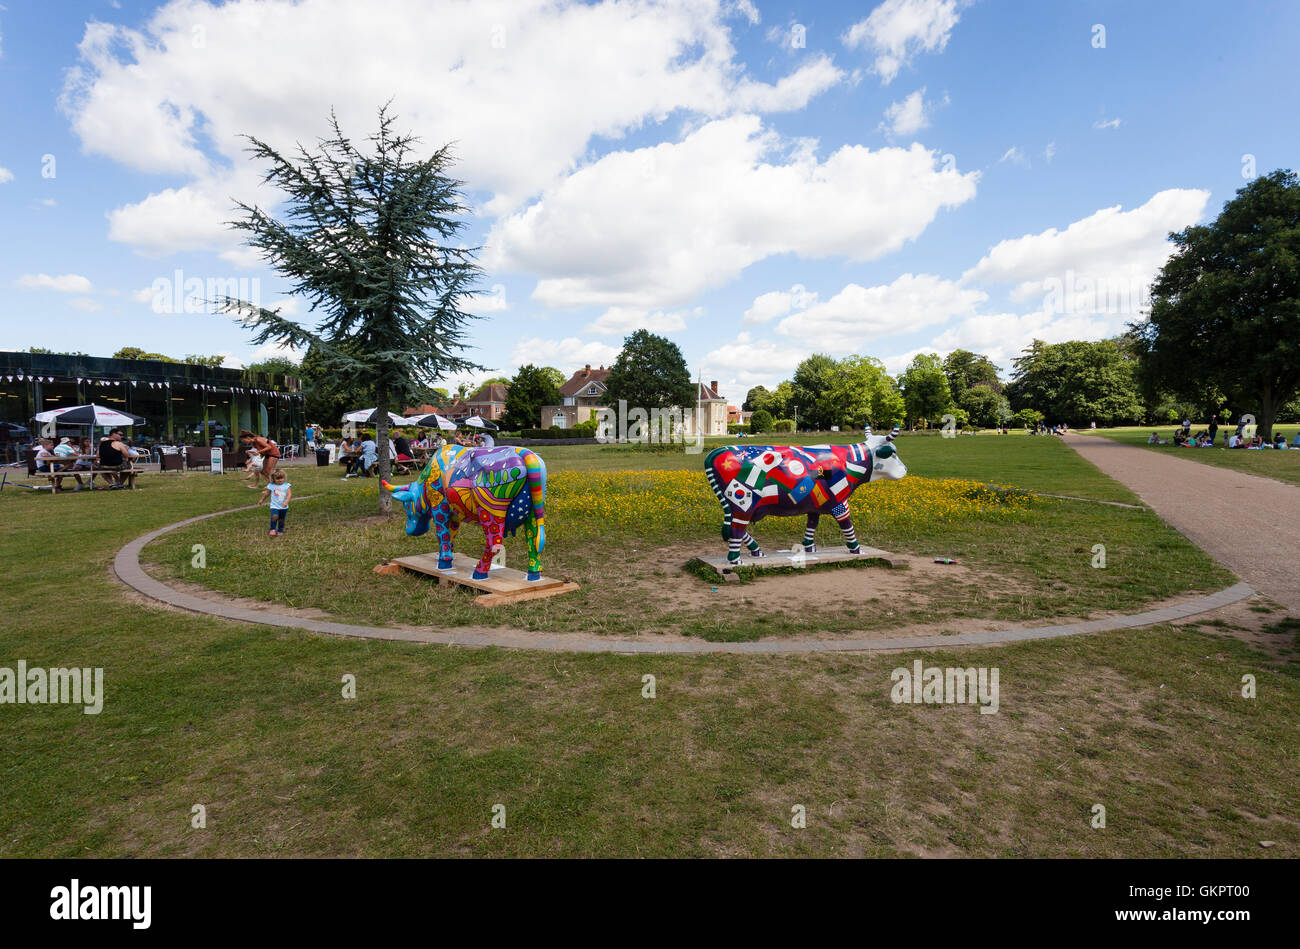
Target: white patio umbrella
(477, 421)
(371, 416)
(91, 415)
(433, 418)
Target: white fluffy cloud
(769, 306)
(857, 314)
(85, 304)
(6, 176)
(657, 226)
(566, 354)
(897, 30)
(275, 351)
(747, 362)
(907, 116)
(623, 319)
(175, 94)
(1106, 256)
(1003, 336)
(64, 283)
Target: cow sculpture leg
(445, 523)
(740, 535)
(841, 514)
(493, 540)
(810, 533)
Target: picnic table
(65, 466)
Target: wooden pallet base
(502, 584)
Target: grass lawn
(625, 535)
(249, 721)
(1268, 463)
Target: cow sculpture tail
(535, 526)
(711, 473)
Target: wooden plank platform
(791, 558)
(501, 585)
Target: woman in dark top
(403, 448)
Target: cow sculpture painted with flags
(753, 481)
(500, 488)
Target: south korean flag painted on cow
(740, 494)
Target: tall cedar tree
(1225, 309)
(370, 242)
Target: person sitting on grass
(280, 491)
(1279, 441)
(1235, 440)
(1180, 438)
(1155, 439)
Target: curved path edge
(126, 564)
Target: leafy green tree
(813, 384)
(1077, 382)
(925, 388)
(863, 394)
(778, 403)
(650, 373)
(275, 366)
(530, 389)
(212, 362)
(965, 369)
(1029, 418)
(752, 397)
(1225, 308)
(986, 407)
(328, 393)
(135, 352)
(554, 375)
(371, 241)
(760, 421)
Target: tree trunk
(1267, 412)
(381, 444)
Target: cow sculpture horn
(892, 435)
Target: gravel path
(1249, 524)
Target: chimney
(714, 386)
(587, 370)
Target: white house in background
(710, 410)
(579, 398)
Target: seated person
(45, 456)
(67, 449)
(1235, 441)
(1154, 439)
(402, 448)
(1280, 441)
(115, 456)
(1180, 438)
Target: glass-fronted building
(181, 404)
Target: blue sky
(757, 181)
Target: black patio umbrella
(477, 421)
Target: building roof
(708, 393)
(496, 392)
(580, 380)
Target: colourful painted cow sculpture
(500, 488)
(753, 481)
